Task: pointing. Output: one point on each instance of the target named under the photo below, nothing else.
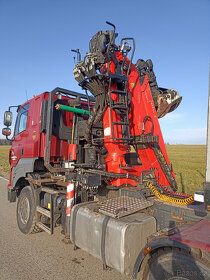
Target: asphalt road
(41, 256)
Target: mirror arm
(18, 106)
(10, 139)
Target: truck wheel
(26, 211)
(174, 264)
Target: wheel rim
(24, 210)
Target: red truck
(97, 166)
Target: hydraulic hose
(72, 109)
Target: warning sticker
(107, 131)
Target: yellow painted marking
(34, 135)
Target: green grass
(4, 160)
(189, 163)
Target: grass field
(189, 162)
(4, 163)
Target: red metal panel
(142, 106)
(31, 149)
(197, 236)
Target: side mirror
(6, 131)
(7, 119)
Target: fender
(24, 166)
(154, 245)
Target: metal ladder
(120, 108)
(47, 213)
(122, 105)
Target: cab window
(22, 119)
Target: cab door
(20, 135)
(31, 149)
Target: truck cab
(28, 151)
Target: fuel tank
(117, 242)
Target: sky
(36, 38)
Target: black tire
(26, 211)
(174, 264)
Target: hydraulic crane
(97, 165)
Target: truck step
(49, 190)
(44, 227)
(43, 211)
